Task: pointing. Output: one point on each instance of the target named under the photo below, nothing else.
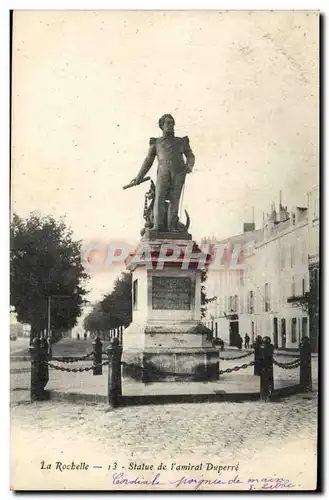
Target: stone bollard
(266, 369)
(305, 374)
(114, 352)
(97, 346)
(39, 368)
(257, 346)
(44, 368)
(50, 348)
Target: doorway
(252, 332)
(275, 333)
(283, 334)
(304, 327)
(234, 332)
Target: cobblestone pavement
(265, 439)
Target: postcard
(164, 260)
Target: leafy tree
(114, 310)
(118, 304)
(45, 261)
(97, 320)
(204, 299)
(302, 301)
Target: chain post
(266, 369)
(38, 373)
(44, 357)
(114, 352)
(257, 347)
(97, 346)
(305, 374)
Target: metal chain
(287, 366)
(67, 359)
(237, 357)
(76, 370)
(228, 370)
(236, 368)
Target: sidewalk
(236, 386)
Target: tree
(118, 304)
(302, 301)
(97, 320)
(114, 310)
(204, 299)
(45, 261)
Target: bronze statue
(175, 160)
(148, 212)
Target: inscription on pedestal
(171, 293)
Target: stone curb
(174, 398)
(287, 354)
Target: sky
(89, 87)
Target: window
(294, 330)
(241, 304)
(316, 209)
(241, 278)
(303, 286)
(235, 303)
(266, 298)
(135, 292)
(293, 287)
(282, 255)
(216, 330)
(303, 255)
(292, 255)
(251, 302)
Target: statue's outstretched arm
(148, 162)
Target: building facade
(313, 198)
(267, 294)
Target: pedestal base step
(171, 365)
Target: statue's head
(167, 123)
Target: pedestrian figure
(85, 336)
(246, 341)
(78, 336)
(240, 342)
(258, 342)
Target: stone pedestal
(166, 339)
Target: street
(265, 439)
(21, 344)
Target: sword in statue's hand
(134, 183)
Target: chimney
(273, 212)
